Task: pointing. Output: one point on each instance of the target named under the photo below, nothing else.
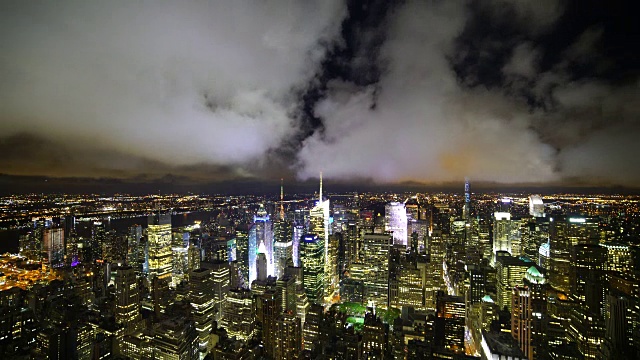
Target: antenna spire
(281, 199)
(320, 195)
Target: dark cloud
(499, 91)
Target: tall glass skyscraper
(159, 240)
(312, 258)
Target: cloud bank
(389, 91)
(177, 83)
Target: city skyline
(406, 276)
(527, 92)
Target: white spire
(320, 196)
(281, 199)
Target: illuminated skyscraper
(136, 248)
(619, 258)
(127, 297)
(395, 221)
(529, 314)
(374, 337)
(239, 314)
(536, 206)
(503, 233)
(175, 338)
(54, 246)
(268, 309)
(201, 298)
(376, 267)
(180, 257)
(159, 239)
(260, 240)
(282, 254)
(451, 321)
(298, 232)
(312, 259)
(466, 211)
(521, 313)
(288, 337)
(510, 272)
(319, 225)
(564, 233)
(221, 283)
(72, 254)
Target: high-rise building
(54, 246)
(435, 280)
(374, 337)
(451, 321)
(466, 210)
(331, 274)
(243, 247)
(175, 338)
(311, 327)
(521, 314)
(127, 297)
(221, 284)
(159, 239)
(622, 318)
(395, 221)
(282, 255)
(477, 283)
(375, 261)
(72, 241)
(239, 314)
(312, 259)
(407, 282)
(180, 257)
(202, 300)
(504, 232)
(619, 258)
(136, 249)
(587, 276)
(319, 225)
(536, 206)
(564, 233)
(510, 272)
(268, 310)
(288, 333)
(260, 241)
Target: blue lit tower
(260, 241)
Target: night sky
(536, 92)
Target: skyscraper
(564, 233)
(451, 321)
(312, 259)
(127, 309)
(503, 229)
(376, 264)
(201, 298)
(159, 239)
(319, 225)
(54, 246)
(536, 206)
(395, 221)
(521, 313)
(260, 240)
(288, 337)
(239, 314)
